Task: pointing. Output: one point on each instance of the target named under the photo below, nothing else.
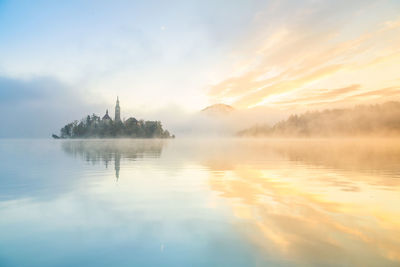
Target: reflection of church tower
(117, 111)
(117, 163)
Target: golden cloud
(294, 63)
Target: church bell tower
(117, 111)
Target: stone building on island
(107, 118)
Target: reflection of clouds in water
(371, 161)
(113, 150)
(369, 155)
(331, 203)
(310, 202)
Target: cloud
(392, 24)
(16, 91)
(346, 95)
(308, 52)
(38, 106)
(322, 95)
(287, 85)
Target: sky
(60, 60)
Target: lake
(200, 202)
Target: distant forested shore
(379, 119)
(94, 127)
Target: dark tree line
(94, 127)
(379, 119)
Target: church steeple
(117, 111)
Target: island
(94, 127)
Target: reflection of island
(106, 151)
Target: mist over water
(200, 133)
(192, 202)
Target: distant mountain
(380, 119)
(218, 109)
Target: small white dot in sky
(163, 28)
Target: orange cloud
(295, 60)
(322, 95)
(286, 85)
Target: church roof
(106, 117)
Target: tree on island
(93, 127)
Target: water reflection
(109, 150)
(315, 202)
(232, 202)
(311, 202)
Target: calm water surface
(200, 202)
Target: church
(107, 118)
